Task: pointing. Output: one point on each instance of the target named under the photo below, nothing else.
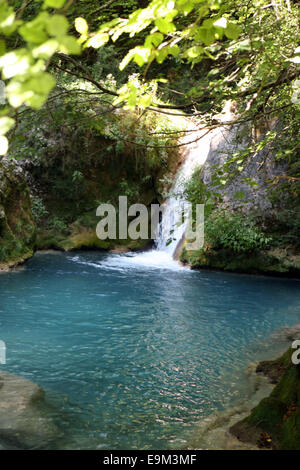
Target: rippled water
(131, 354)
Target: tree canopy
(247, 51)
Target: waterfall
(171, 229)
(198, 145)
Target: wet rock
(275, 422)
(24, 422)
(274, 370)
(292, 333)
(261, 167)
(213, 432)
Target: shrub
(285, 226)
(235, 232)
(38, 208)
(197, 192)
(57, 224)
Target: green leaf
(54, 3)
(81, 25)
(98, 40)
(206, 35)
(35, 31)
(16, 62)
(7, 19)
(57, 25)
(145, 101)
(32, 91)
(69, 45)
(232, 31)
(6, 123)
(174, 50)
(161, 55)
(139, 54)
(3, 145)
(46, 50)
(193, 52)
(154, 39)
(126, 59)
(165, 26)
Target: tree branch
(280, 81)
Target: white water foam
(152, 259)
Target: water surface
(132, 352)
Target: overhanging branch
(85, 75)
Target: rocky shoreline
(276, 262)
(275, 422)
(269, 417)
(15, 264)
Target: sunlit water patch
(133, 351)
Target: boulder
(24, 422)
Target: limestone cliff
(247, 186)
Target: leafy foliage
(235, 232)
(253, 47)
(197, 192)
(38, 208)
(25, 68)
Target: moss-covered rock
(17, 227)
(81, 234)
(275, 422)
(86, 238)
(274, 262)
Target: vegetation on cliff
(17, 227)
(75, 161)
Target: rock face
(261, 168)
(17, 227)
(69, 189)
(245, 189)
(23, 422)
